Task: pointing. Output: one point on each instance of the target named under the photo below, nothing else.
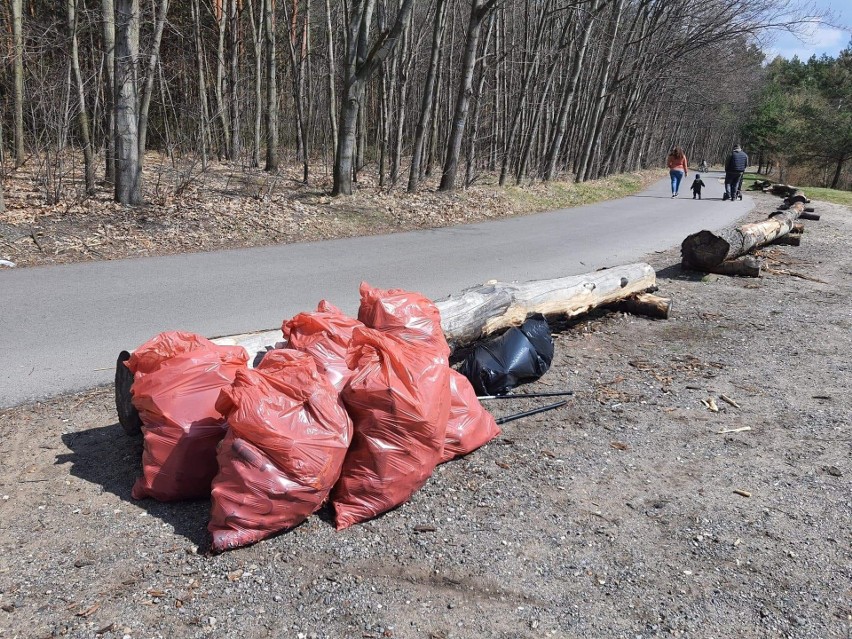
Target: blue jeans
(676, 176)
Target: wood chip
(728, 400)
(742, 493)
(742, 429)
(503, 465)
(619, 446)
(424, 529)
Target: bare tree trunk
(202, 88)
(149, 78)
(257, 40)
(568, 93)
(222, 107)
(271, 88)
(360, 65)
(332, 75)
(233, 84)
(406, 61)
(478, 10)
(108, 27)
(601, 97)
(296, 68)
(477, 107)
(530, 68)
(426, 105)
(82, 115)
(18, 37)
(128, 170)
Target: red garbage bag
(177, 379)
(399, 401)
(283, 453)
(470, 425)
(408, 316)
(325, 335)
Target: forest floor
(232, 206)
(615, 516)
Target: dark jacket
(737, 162)
(697, 184)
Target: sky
(818, 39)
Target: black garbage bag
(522, 354)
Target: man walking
(734, 169)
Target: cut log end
(704, 249)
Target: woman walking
(678, 168)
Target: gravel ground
(615, 516)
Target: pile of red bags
(358, 410)
(177, 380)
(325, 336)
(287, 439)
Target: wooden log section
(705, 250)
(481, 310)
(797, 196)
(748, 266)
(646, 304)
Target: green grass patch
(561, 195)
(835, 196)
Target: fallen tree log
(481, 310)
(493, 306)
(705, 250)
(748, 266)
(646, 304)
(797, 196)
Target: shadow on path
(677, 272)
(106, 457)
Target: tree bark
(706, 250)
(18, 38)
(149, 78)
(481, 310)
(82, 114)
(108, 28)
(258, 41)
(128, 170)
(360, 65)
(271, 88)
(645, 304)
(202, 85)
(426, 104)
(332, 76)
(233, 80)
(478, 10)
(221, 104)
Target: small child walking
(697, 184)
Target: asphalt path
(63, 326)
